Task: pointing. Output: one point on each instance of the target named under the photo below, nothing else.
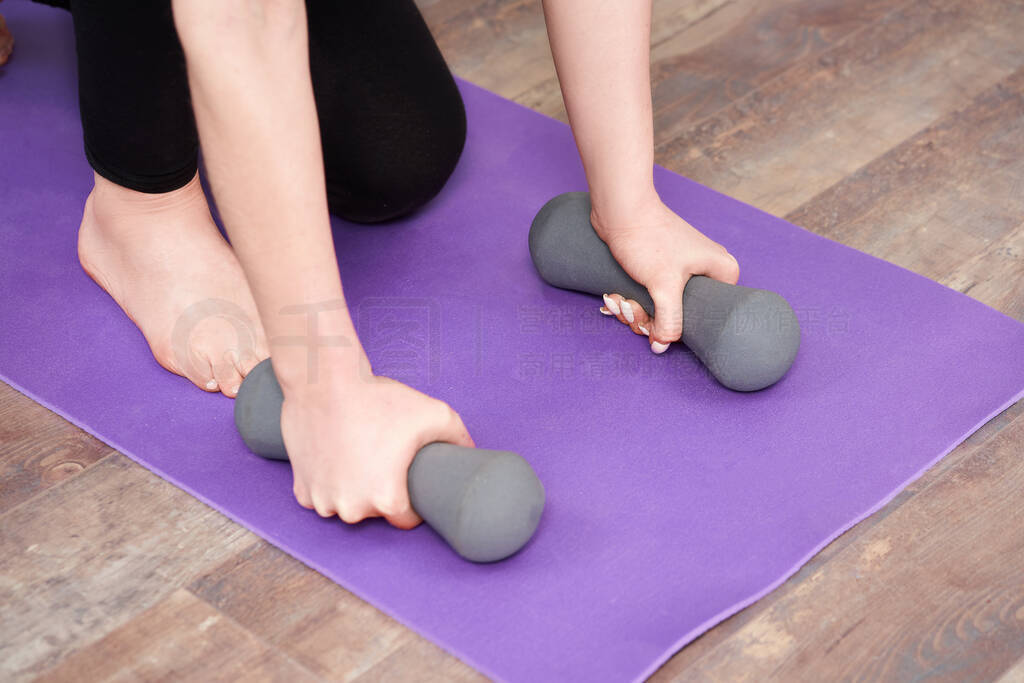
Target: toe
(247, 360)
(227, 374)
(200, 372)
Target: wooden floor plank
(988, 275)
(38, 449)
(817, 108)
(700, 21)
(742, 47)
(82, 558)
(317, 623)
(684, 663)
(907, 599)
(949, 195)
(180, 638)
(826, 117)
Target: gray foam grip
(485, 503)
(747, 338)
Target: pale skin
(349, 449)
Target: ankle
(108, 196)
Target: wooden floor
(894, 126)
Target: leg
(147, 236)
(392, 121)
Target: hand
(661, 251)
(351, 443)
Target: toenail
(212, 384)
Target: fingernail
(605, 311)
(627, 311)
(658, 347)
(212, 384)
(643, 329)
(611, 305)
(234, 390)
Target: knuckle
(349, 514)
(389, 504)
(322, 504)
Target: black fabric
(392, 121)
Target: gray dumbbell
(486, 504)
(746, 337)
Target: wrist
(311, 374)
(610, 212)
(315, 348)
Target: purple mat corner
(640, 550)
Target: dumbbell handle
(746, 337)
(485, 503)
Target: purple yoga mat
(672, 502)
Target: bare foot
(163, 261)
(6, 42)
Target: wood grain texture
(34, 459)
(1014, 674)
(952, 194)
(318, 624)
(180, 638)
(928, 586)
(829, 115)
(891, 125)
(80, 559)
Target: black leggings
(392, 122)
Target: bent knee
(401, 173)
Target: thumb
(722, 266)
(668, 311)
(449, 428)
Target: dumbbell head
(258, 412)
(486, 504)
(747, 338)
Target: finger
(613, 302)
(668, 313)
(324, 507)
(397, 509)
(302, 495)
(722, 266)
(449, 428)
(354, 513)
(641, 321)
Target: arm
(253, 101)
(248, 68)
(602, 56)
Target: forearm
(248, 68)
(602, 56)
